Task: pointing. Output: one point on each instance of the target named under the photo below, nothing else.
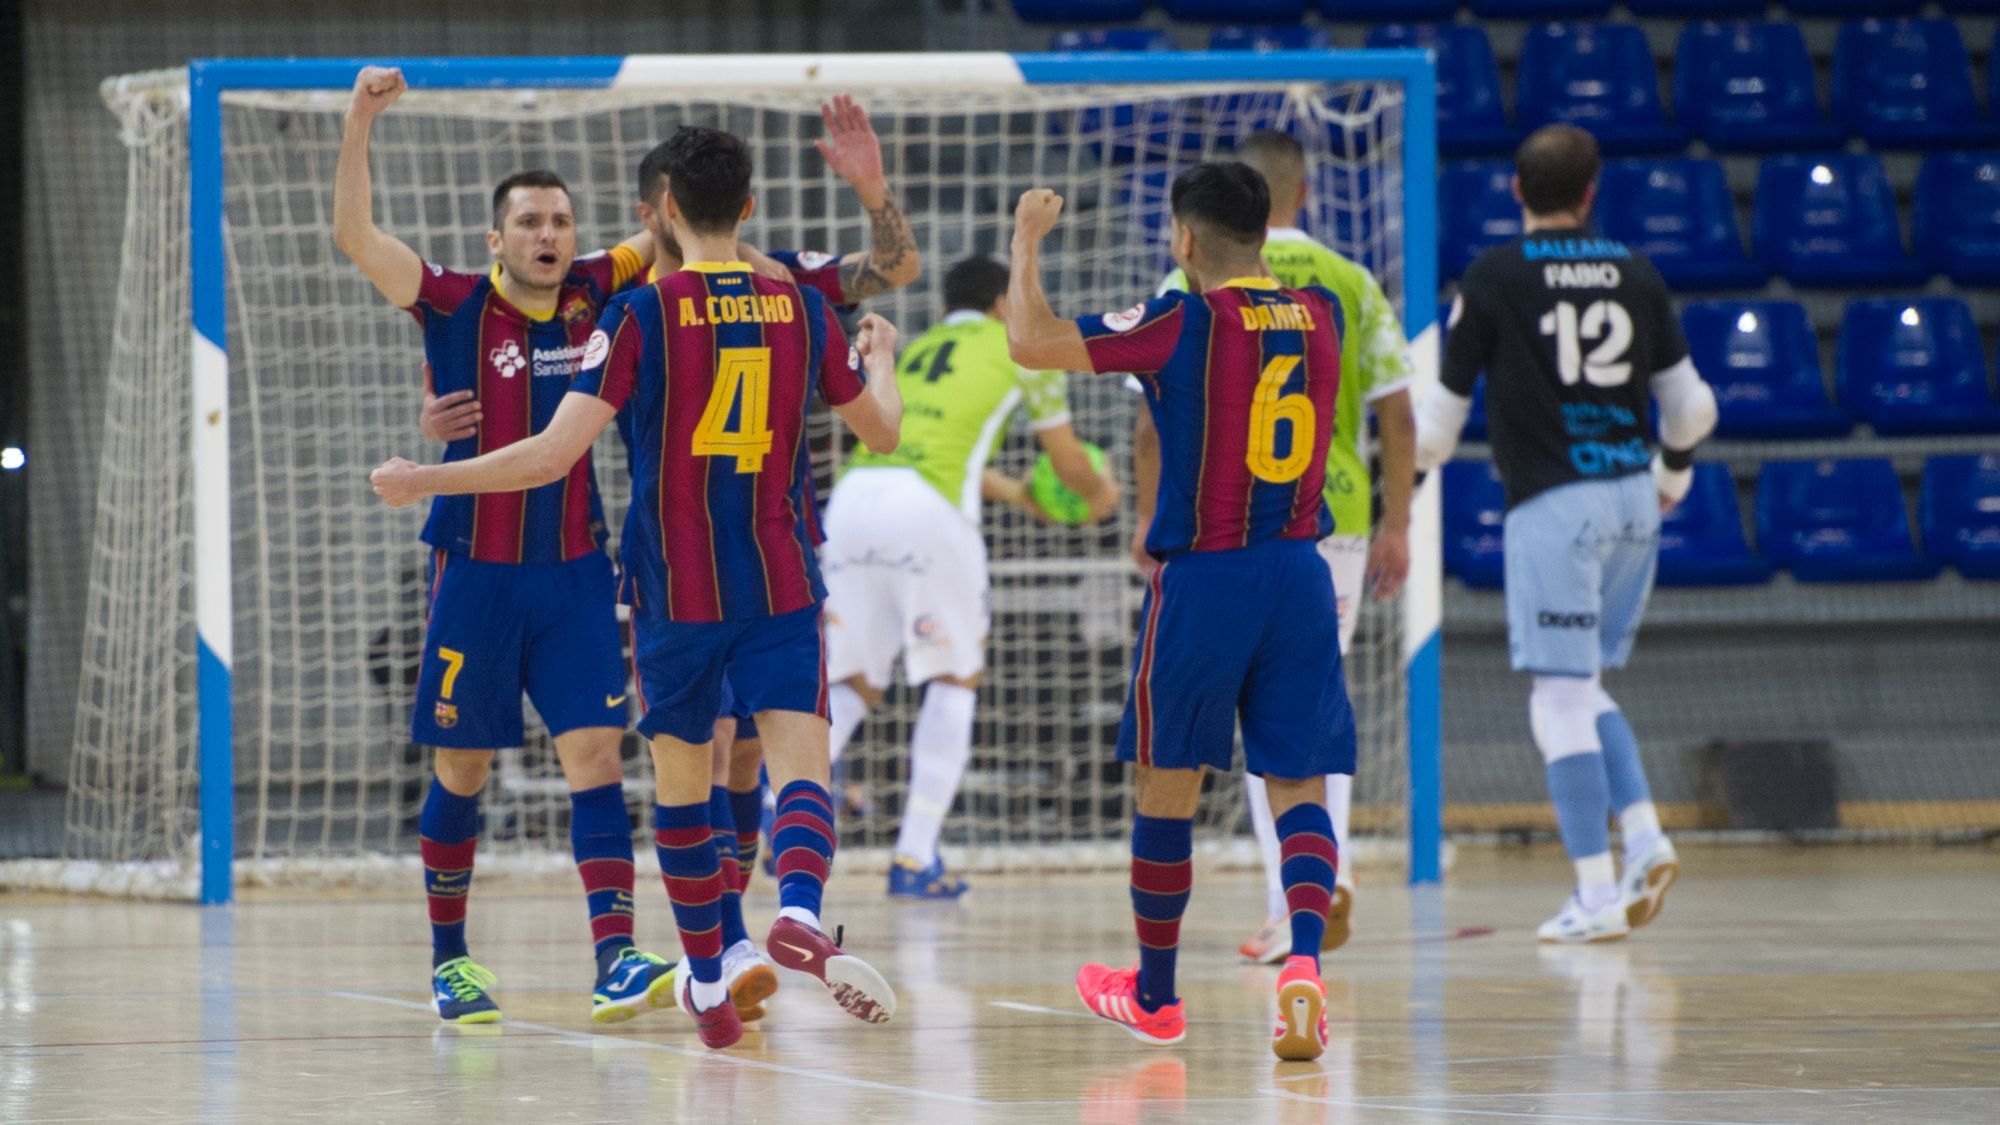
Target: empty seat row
(1818, 220)
(1743, 86)
(1825, 521)
(1903, 367)
(1291, 11)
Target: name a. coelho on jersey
(750, 308)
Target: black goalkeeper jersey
(1570, 328)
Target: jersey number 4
(742, 391)
(1604, 321)
(1268, 408)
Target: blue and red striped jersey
(519, 367)
(713, 370)
(1241, 383)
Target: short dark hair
(708, 172)
(532, 178)
(1556, 166)
(974, 283)
(1273, 144)
(653, 173)
(1228, 196)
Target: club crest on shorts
(445, 715)
(927, 631)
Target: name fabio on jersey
(1582, 275)
(750, 308)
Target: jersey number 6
(1267, 409)
(742, 381)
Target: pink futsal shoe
(1114, 995)
(1301, 1031)
(854, 983)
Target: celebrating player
(1239, 621)
(1573, 331)
(1375, 370)
(711, 371)
(905, 564)
(521, 590)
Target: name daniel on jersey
(1277, 318)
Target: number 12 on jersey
(742, 382)
(1606, 321)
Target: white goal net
(325, 383)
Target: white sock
(940, 747)
(706, 994)
(800, 914)
(1596, 881)
(844, 710)
(1339, 796)
(1639, 826)
(1265, 829)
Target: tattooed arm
(853, 151)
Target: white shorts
(1347, 557)
(905, 575)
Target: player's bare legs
(795, 748)
(940, 749)
(1309, 859)
(847, 703)
(745, 972)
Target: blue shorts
(686, 667)
(496, 629)
(734, 708)
(1249, 636)
(1580, 561)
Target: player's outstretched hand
(1141, 558)
(448, 418)
(376, 88)
(1388, 563)
(764, 265)
(1035, 215)
(874, 334)
(395, 481)
(850, 146)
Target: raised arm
(852, 150)
(1036, 337)
(394, 268)
(528, 463)
(876, 414)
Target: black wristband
(1676, 459)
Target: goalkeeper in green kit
(904, 563)
(1375, 374)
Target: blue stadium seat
(1907, 84)
(1283, 37)
(1831, 221)
(1475, 508)
(1236, 11)
(1838, 521)
(1080, 11)
(1372, 11)
(1112, 39)
(1478, 212)
(1915, 367)
(1701, 539)
(1971, 7)
(1957, 215)
(1958, 507)
(1680, 214)
(1471, 117)
(1697, 10)
(1763, 361)
(1853, 7)
(1748, 87)
(1598, 77)
(1539, 9)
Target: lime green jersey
(959, 389)
(1374, 359)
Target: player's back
(1572, 327)
(1244, 406)
(720, 367)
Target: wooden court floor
(1824, 985)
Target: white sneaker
(1574, 925)
(1642, 889)
(750, 978)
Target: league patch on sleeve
(1125, 321)
(1457, 310)
(810, 260)
(596, 350)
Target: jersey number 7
(1268, 407)
(742, 390)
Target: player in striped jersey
(521, 590)
(710, 372)
(1239, 622)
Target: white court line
(1352, 1103)
(688, 1052)
(1017, 1006)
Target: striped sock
(1305, 840)
(694, 884)
(722, 828)
(600, 837)
(803, 841)
(1162, 875)
(447, 835)
(747, 809)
